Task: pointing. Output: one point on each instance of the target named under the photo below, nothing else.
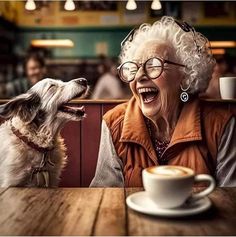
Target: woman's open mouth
(148, 94)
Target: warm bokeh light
(69, 5)
(131, 5)
(156, 5)
(223, 44)
(30, 5)
(50, 43)
(218, 51)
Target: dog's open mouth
(73, 109)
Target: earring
(184, 95)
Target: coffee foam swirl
(169, 171)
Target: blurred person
(108, 85)
(35, 70)
(166, 64)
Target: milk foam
(169, 171)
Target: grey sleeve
(226, 157)
(109, 171)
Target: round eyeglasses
(153, 68)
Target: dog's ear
(25, 106)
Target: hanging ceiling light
(156, 5)
(69, 5)
(30, 5)
(131, 5)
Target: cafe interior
(82, 39)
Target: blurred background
(71, 39)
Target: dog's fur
(36, 115)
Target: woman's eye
(153, 67)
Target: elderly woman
(167, 65)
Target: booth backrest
(82, 141)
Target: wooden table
(98, 211)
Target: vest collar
(135, 130)
(188, 127)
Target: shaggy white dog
(32, 153)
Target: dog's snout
(81, 81)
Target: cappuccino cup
(171, 186)
(228, 87)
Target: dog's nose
(81, 81)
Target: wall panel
(71, 174)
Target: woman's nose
(140, 75)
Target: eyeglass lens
(153, 68)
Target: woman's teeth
(148, 94)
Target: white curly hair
(192, 50)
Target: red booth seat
(82, 141)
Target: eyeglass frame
(129, 37)
(143, 65)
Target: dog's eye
(51, 86)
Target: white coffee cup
(228, 87)
(171, 186)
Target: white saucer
(140, 202)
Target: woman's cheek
(132, 86)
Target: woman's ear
(25, 106)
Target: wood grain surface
(115, 101)
(219, 220)
(102, 211)
(49, 211)
(111, 218)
